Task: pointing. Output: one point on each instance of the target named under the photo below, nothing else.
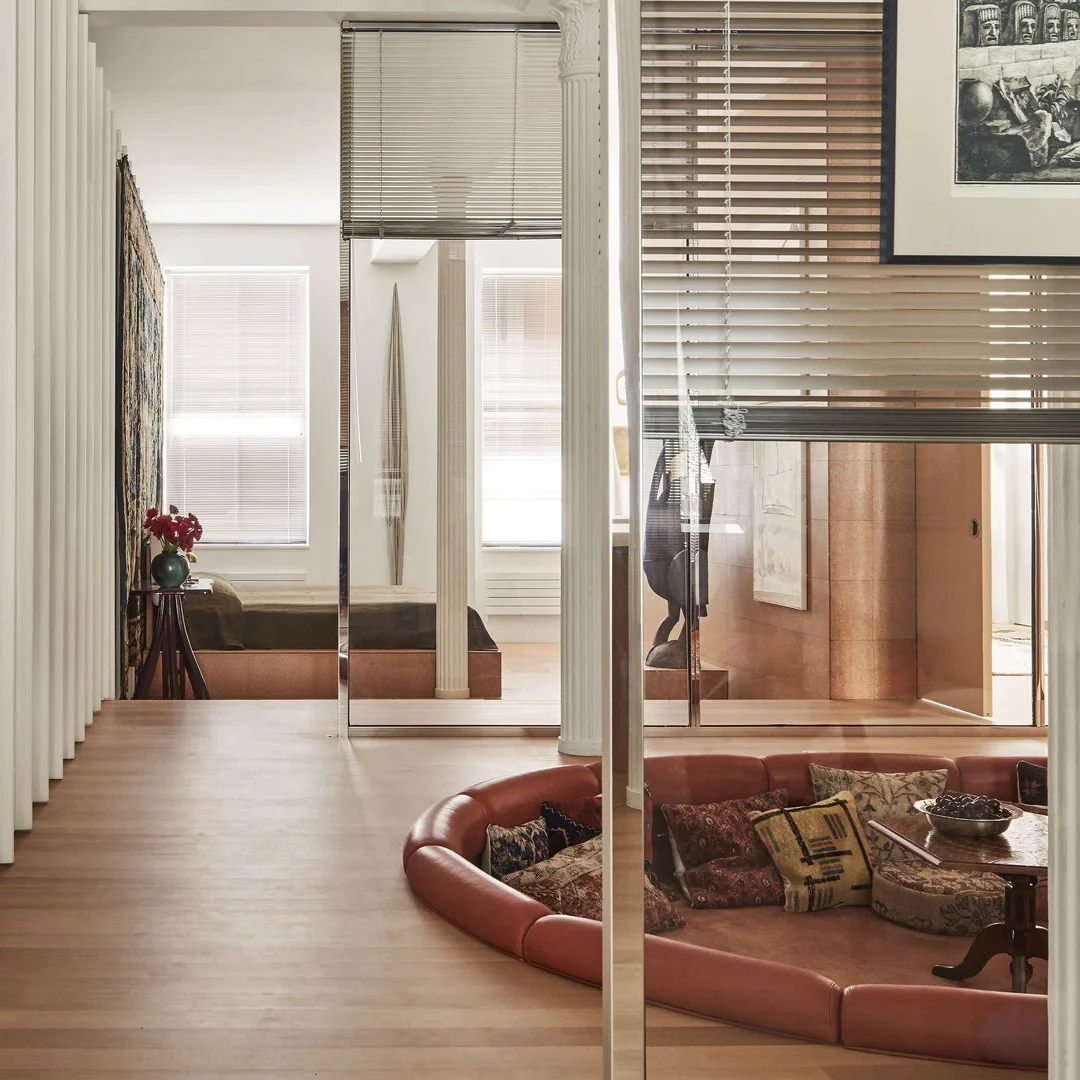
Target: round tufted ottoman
(936, 901)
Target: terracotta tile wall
(872, 570)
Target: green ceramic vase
(169, 569)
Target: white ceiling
(229, 108)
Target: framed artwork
(780, 524)
(981, 131)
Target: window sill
(251, 547)
(531, 549)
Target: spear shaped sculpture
(395, 449)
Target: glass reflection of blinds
(450, 132)
(760, 222)
(521, 401)
(236, 402)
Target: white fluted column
(1063, 720)
(25, 612)
(452, 502)
(586, 425)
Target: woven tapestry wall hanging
(139, 410)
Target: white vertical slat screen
(45, 697)
(24, 424)
(8, 359)
(236, 402)
(57, 357)
(760, 219)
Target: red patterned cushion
(731, 883)
(722, 830)
(584, 897)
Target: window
(521, 394)
(236, 402)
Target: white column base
(451, 695)
(580, 747)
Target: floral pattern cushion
(509, 850)
(702, 832)
(937, 901)
(1031, 787)
(731, 883)
(820, 852)
(571, 883)
(571, 821)
(880, 795)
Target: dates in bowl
(956, 813)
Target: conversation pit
(854, 974)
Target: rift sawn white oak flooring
(215, 892)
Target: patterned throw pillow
(571, 821)
(1031, 786)
(820, 852)
(880, 795)
(571, 883)
(721, 830)
(730, 883)
(509, 850)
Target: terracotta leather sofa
(443, 848)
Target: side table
(170, 645)
(1018, 855)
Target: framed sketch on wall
(780, 524)
(981, 131)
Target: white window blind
(521, 395)
(760, 220)
(236, 402)
(450, 131)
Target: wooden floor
(215, 892)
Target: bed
(270, 642)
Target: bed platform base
(291, 674)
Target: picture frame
(963, 180)
(780, 524)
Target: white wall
(314, 246)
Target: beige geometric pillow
(880, 795)
(820, 852)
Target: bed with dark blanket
(390, 629)
(304, 619)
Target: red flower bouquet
(176, 532)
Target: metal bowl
(979, 828)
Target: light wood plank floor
(215, 892)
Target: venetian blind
(760, 218)
(236, 402)
(450, 132)
(521, 400)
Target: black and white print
(1018, 83)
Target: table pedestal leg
(1018, 937)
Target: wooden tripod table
(171, 646)
(1019, 856)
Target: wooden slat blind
(760, 221)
